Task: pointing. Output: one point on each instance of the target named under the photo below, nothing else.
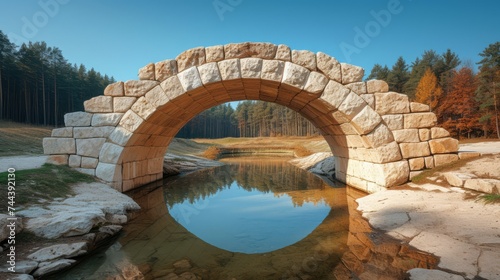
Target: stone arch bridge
(378, 137)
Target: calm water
(251, 219)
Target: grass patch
(47, 182)
(489, 198)
(211, 153)
(21, 139)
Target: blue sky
(119, 37)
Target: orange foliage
(428, 90)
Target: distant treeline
(250, 119)
(38, 85)
(466, 103)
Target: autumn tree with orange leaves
(428, 90)
(458, 110)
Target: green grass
(47, 182)
(490, 198)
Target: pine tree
(379, 72)
(488, 91)
(398, 76)
(428, 90)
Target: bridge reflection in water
(154, 245)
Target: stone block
(380, 136)
(457, 179)
(467, 155)
(358, 88)
(424, 134)
(391, 103)
(89, 162)
(74, 161)
(351, 73)
(229, 69)
(334, 94)
(92, 132)
(394, 122)
(443, 145)
(251, 67)
(406, 135)
(366, 120)
(99, 104)
(114, 89)
(373, 86)
(295, 75)
(120, 136)
(209, 73)
(190, 58)
(147, 72)
(122, 104)
(305, 59)
(388, 153)
(439, 132)
(491, 186)
(108, 172)
(89, 147)
(131, 121)
(429, 162)
(369, 99)
(352, 105)
(283, 53)
(416, 107)
(250, 49)
(272, 70)
(416, 163)
(442, 159)
(77, 119)
(190, 79)
(110, 153)
(165, 69)
(58, 146)
(138, 88)
(316, 83)
(413, 150)
(214, 53)
(420, 120)
(329, 66)
(58, 159)
(110, 119)
(64, 132)
(395, 173)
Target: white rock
(89, 147)
(457, 179)
(123, 103)
(21, 277)
(432, 274)
(108, 172)
(488, 264)
(6, 225)
(295, 75)
(110, 153)
(114, 89)
(391, 103)
(54, 146)
(92, 132)
(59, 251)
(304, 58)
(52, 267)
(99, 104)
(79, 214)
(483, 185)
(329, 66)
(310, 161)
(25, 267)
(62, 132)
(445, 247)
(110, 119)
(351, 73)
(77, 119)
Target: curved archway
(378, 137)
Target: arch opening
(378, 137)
